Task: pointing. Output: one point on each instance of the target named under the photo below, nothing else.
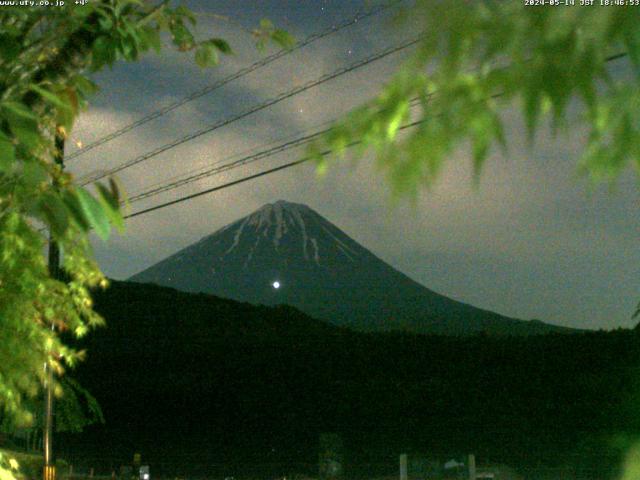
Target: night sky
(533, 240)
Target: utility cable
(240, 73)
(211, 168)
(251, 177)
(216, 170)
(102, 173)
(256, 108)
(324, 153)
(252, 157)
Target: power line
(219, 169)
(221, 187)
(102, 174)
(282, 147)
(240, 73)
(254, 156)
(263, 154)
(212, 168)
(256, 108)
(250, 177)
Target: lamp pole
(49, 471)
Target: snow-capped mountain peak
(288, 253)
(293, 224)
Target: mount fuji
(286, 253)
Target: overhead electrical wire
(289, 164)
(390, 50)
(240, 73)
(222, 168)
(218, 167)
(255, 108)
(204, 170)
(250, 177)
(221, 187)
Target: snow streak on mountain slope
(287, 253)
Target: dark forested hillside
(226, 382)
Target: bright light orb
(276, 285)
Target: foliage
(474, 57)
(28, 465)
(225, 370)
(268, 32)
(75, 409)
(46, 55)
(8, 466)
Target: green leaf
(28, 136)
(17, 111)
(266, 24)
(105, 20)
(338, 139)
(34, 174)
(150, 38)
(182, 37)
(85, 86)
(75, 208)
(115, 191)
(50, 97)
(222, 45)
(10, 48)
(94, 213)
(183, 11)
(632, 42)
(66, 116)
(206, 55)
(111, 204)
(103, 52)
(283, 38)
(7, 153)
(53, 209)
(128, 48)
(532, 111)
(400, 113)
(133, 36)
(261, 45)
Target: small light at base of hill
(276, 285)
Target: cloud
(530, 241)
